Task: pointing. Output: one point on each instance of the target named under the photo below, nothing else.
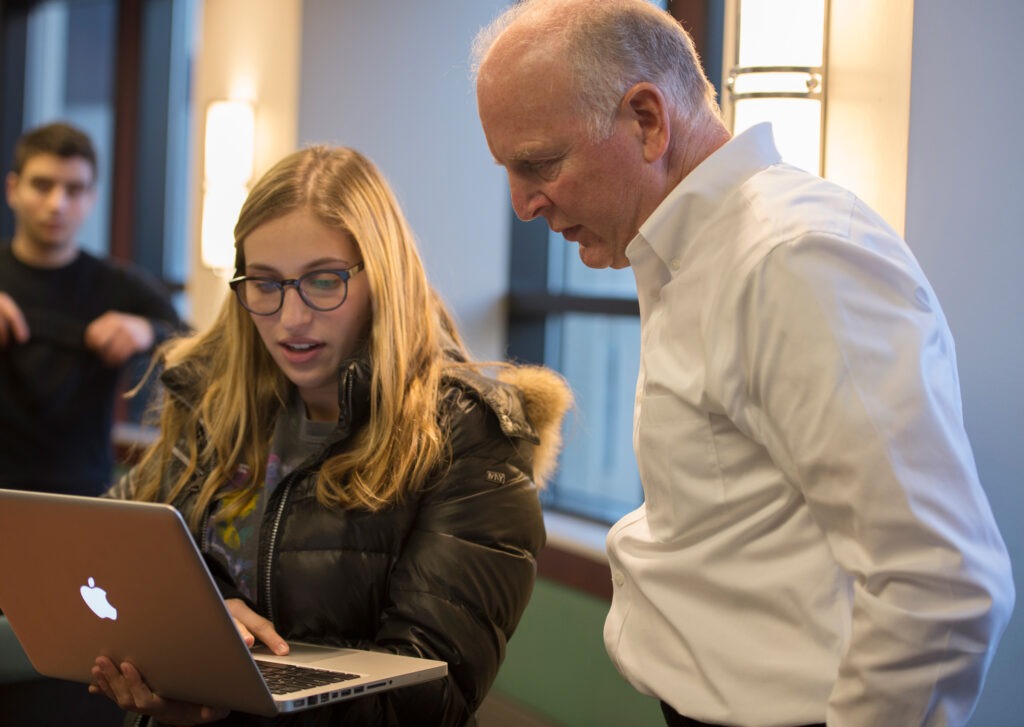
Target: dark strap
(674, 719)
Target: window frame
(575, 554)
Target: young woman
(351, 474)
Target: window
(119, 70)
(586, 324)
(69, 74)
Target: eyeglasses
(321, 290)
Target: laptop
(85, 576)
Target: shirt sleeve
(850, 382)
(138, 293)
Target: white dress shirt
(814, 542)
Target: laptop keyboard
(285, 678)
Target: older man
(814, 543)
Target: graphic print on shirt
(234, 539)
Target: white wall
(869, 61)
(249, 50)
(867, 98)
(964, 223)
(391, 79)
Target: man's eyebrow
(514, 158)
(54, 179)
(528, 155)
(525, 155)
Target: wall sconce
(778, 74)
(228, 162)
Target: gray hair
(609, 46)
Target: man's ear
(10, 182)
(649, 109)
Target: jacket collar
(502, 398)
(354, 377)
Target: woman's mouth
(300, 351)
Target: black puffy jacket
(446, 574)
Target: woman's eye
(325, 282)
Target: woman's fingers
(125, 686)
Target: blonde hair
(412, 339)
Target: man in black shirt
(69, 322)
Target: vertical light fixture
(778, 74)
(228, 162)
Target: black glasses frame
(344, 273)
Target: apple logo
(96, 599)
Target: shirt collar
(693, 201)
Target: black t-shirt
(56, 397)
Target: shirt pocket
(679, 468)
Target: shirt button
(674, 264)
(618, 579)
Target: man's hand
(116, 337)
(13, 328)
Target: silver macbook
(83, 576)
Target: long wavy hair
(226, 429)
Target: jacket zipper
(268, 561)
(204, 538)
(286, 486)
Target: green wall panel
(557, 666)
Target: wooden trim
(13, 42)
(693, 15)
(553, 563)
(546, 304)
(576, 571)
(126, 130)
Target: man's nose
(58, 197)
(527, 200)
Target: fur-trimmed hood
(530, 402)
(547, 397)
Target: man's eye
(543, 168)
(42, 185)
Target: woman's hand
(123, 683)
(252, 626)
(125, 686)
